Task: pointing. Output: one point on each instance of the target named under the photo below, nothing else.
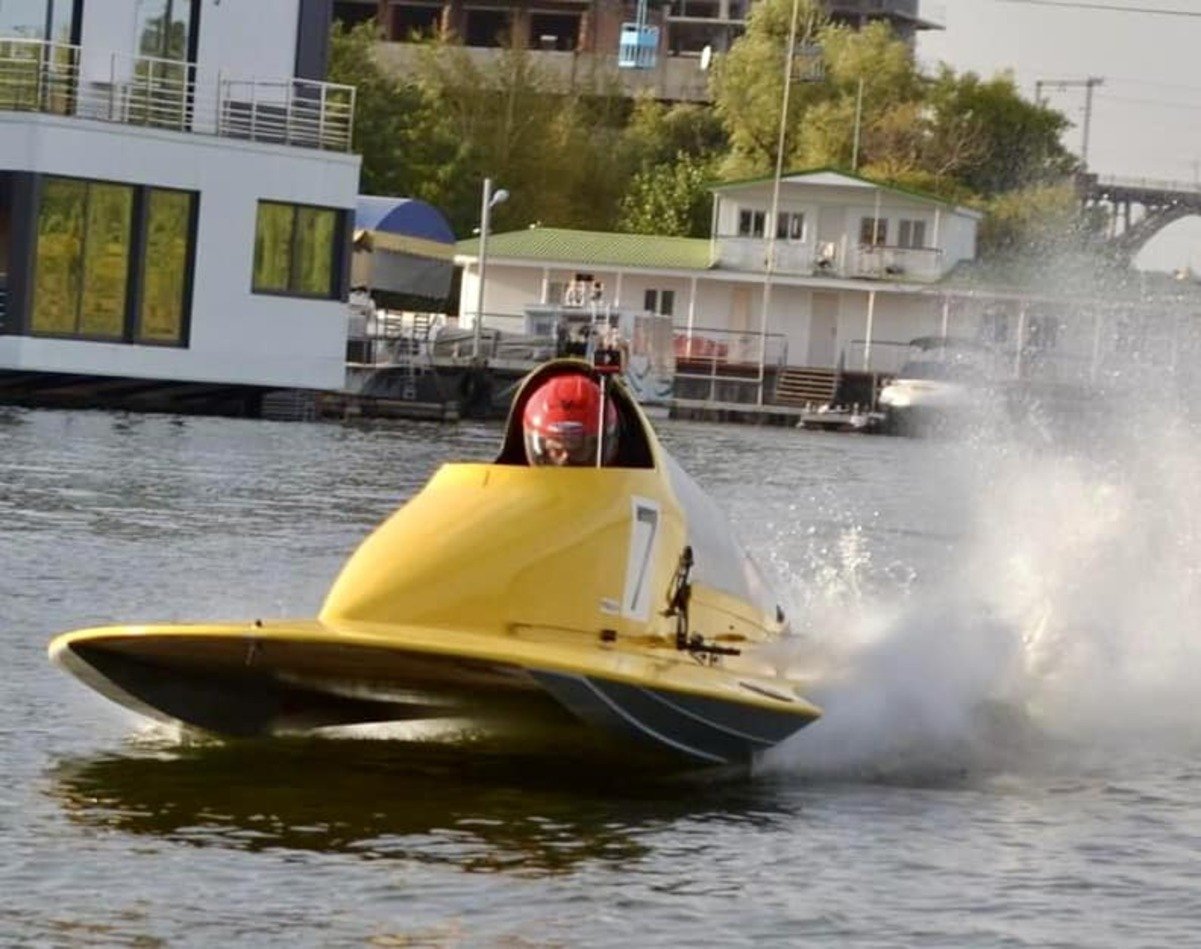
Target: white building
(176, 194)
(855, 276)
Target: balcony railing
(902, 263)
(832, 259)
(60, 79)
(750, 253)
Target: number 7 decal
(644, 528)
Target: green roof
(830, 170)
(599, 248)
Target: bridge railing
(1144, 184)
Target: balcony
(920, 264)
(60, 79)
(750, 253)
(923, 264)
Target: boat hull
(252, 679)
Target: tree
(389, 115)
(1034, 221)
(657, 133)
(991, 138)
(748, 84)
(556, 151)
(670, 198)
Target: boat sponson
(250, 678)
(708, 729)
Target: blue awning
(404, 225)
(402, 245)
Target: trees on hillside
(587, 157)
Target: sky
(1146, 116)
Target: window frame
(792, 224)
(911, 233)
(660, 301)
(337, 253)
(879, 231)
(142, 218)
(134, 265)
(752, 223)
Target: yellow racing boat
(613, 598)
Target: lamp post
(490, 200)
(775, 200)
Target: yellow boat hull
(611, 596)
(273, 677)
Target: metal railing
(750, 253)
(61, 79)
(1147, 184)
(727, 361)
(913, 263)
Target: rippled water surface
(1002, 637)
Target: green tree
(657, 133)
(390, 116)
(670, 198)
(871, 73)
(1033, 221)
(748, 84)
(991, 138)
(557, 152)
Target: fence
(61, 79)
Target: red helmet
(562, 420)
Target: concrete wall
(237, 336)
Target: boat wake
(1063, 633)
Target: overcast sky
(1146, 119)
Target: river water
(1003, 631)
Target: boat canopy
(402, 245)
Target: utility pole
(1088, 85)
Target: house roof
(593, 248)
(835, 176)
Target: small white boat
(940, 382)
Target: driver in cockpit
(562, 422)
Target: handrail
(64, 79)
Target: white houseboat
(853, 276)
(176, 201)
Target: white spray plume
(1070, 619)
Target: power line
(1115, 7)
(1160, 103)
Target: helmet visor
(564, 443)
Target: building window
(52, 20)
(750, 223)
(81, 276)
(790, 226)
(911, 234)
(89, 233)
(296, 250)
(659, 301)
(166, 32)
(167, 266)
(873, 231)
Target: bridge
(1138, 208)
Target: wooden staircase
(805, 386)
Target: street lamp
(491, 199)
(775, 198)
